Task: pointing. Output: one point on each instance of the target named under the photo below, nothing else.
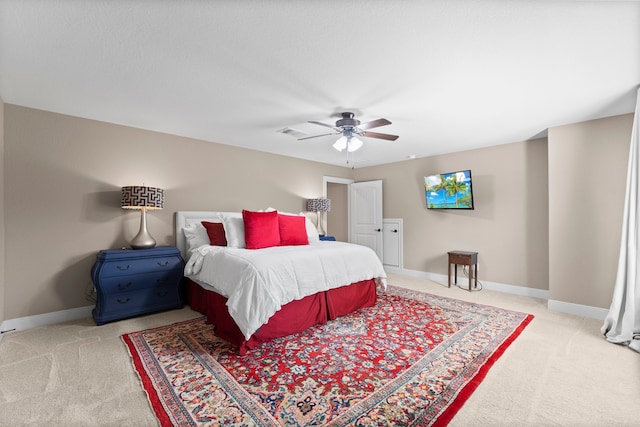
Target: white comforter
(258, 282)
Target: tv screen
(451, 190)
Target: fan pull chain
(353, 154)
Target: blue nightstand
(330, 238)
(131, 282)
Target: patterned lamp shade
(138, 197)
(143, 198)
(318, 205)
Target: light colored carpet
(559, 372)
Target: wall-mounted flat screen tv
(451, 190)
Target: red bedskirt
(291, 318)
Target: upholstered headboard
(185, 219)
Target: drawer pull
(125, 286)
(163, 264)
(123, 301)
(162, 294)
(121, 268)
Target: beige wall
(508, 227)
(587, 181)
(337, 218)
(63, 176)
(2, 249)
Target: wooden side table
(463, 258)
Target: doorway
(337, 190)
(356, 212)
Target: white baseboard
(28, 322)
(578, 309)
(516, 290)
(492, 286)
(561, 306)
(392, 269)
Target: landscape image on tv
(449, 190)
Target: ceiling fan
(350, 127)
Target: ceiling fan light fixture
(353, 144)
(341, 143)
(349, 127)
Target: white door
(392, 237)
(366, 215)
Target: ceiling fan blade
(380, 136)
(317, 136)
(374, 124)
(323, 124)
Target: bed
(253, 290)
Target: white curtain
(622, 324)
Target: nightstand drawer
(129, 304)
(141, 265)
(459, 258)
(115, 284)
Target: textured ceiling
(450, 75)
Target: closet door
(392, 235)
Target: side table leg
(449, 274)
(475, 275)
(455, 274)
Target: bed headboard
(186, 218)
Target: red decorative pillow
(293, 230)
(261, 229)
(215, 230)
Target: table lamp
(319, 205)
(144, 199)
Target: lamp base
(320, 229)
(143, 239)
(142, 243)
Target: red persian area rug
(412, 359)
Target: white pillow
(196, 236)
(312, 231)
(233, 229)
